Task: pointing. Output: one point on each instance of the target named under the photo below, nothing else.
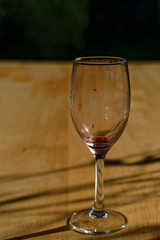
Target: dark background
(55, 29)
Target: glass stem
(98, 209)
(99, 195)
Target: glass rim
(92, 60)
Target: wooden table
(47, 172)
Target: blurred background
(54, 29)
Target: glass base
(92, 222)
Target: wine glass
(99, 106)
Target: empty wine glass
(99, 106)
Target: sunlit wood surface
(47, 172)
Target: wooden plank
(47, 172)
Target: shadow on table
(149, 157)
(144, 158)
(134, 180)
(42, 233)
(131, 233)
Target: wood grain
(46, 171)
